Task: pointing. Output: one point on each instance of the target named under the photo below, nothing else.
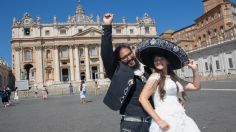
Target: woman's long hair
(161, 83)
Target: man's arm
(106, 46)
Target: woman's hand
(163, 125)
(107, 19)
(192, 64)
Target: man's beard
(136, 65)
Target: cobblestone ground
(213, 109)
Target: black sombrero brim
(147, 50)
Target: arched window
(147, 30)
(48, 54)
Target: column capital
(17, 48)
(72, 46)
(38, 47)
(49, 47)
(56, 46)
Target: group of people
(44, 91)
(81, 90)
(144, 86)
(5, 95)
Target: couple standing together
(149, 97)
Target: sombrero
(148, 49)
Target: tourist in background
(96, 88)
(35, 90)
(5, 97)
(71, 87)
(16, 97)
(82, 92)
(44, 92)
(8, 90)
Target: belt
(136, 119)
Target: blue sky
(174, 14)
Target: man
(127, 81)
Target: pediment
(90, 32)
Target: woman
(44, 92)
(165, 87)
(82, 92)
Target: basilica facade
(68, 51)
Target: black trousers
(128, 126)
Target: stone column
(57, 64)
(72, 71)
(39, 65)
(201, 66)
(226, 62)
(101, 71)
(77, 66)
(213, 64)
(87, 63)
(17, 63)
(234, 57)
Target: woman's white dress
(170, 110)
(83, 92)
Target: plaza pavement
(213, 109)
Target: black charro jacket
(122, 77)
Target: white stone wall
(221, 52)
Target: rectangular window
(217, 64)
(206, 66)
(32, 73)
(131, 31)
(93, 51)
(231, 63)
(64, 52)
(62, 31)
(118, 31)
(147, 30)
(81, 52)
(28, 55)
(26, 31)
(47, 33)
(80, 30)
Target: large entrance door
(65, 75)
(94, 72)
(82, 75)
(27, 68)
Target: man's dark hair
(117, 51)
